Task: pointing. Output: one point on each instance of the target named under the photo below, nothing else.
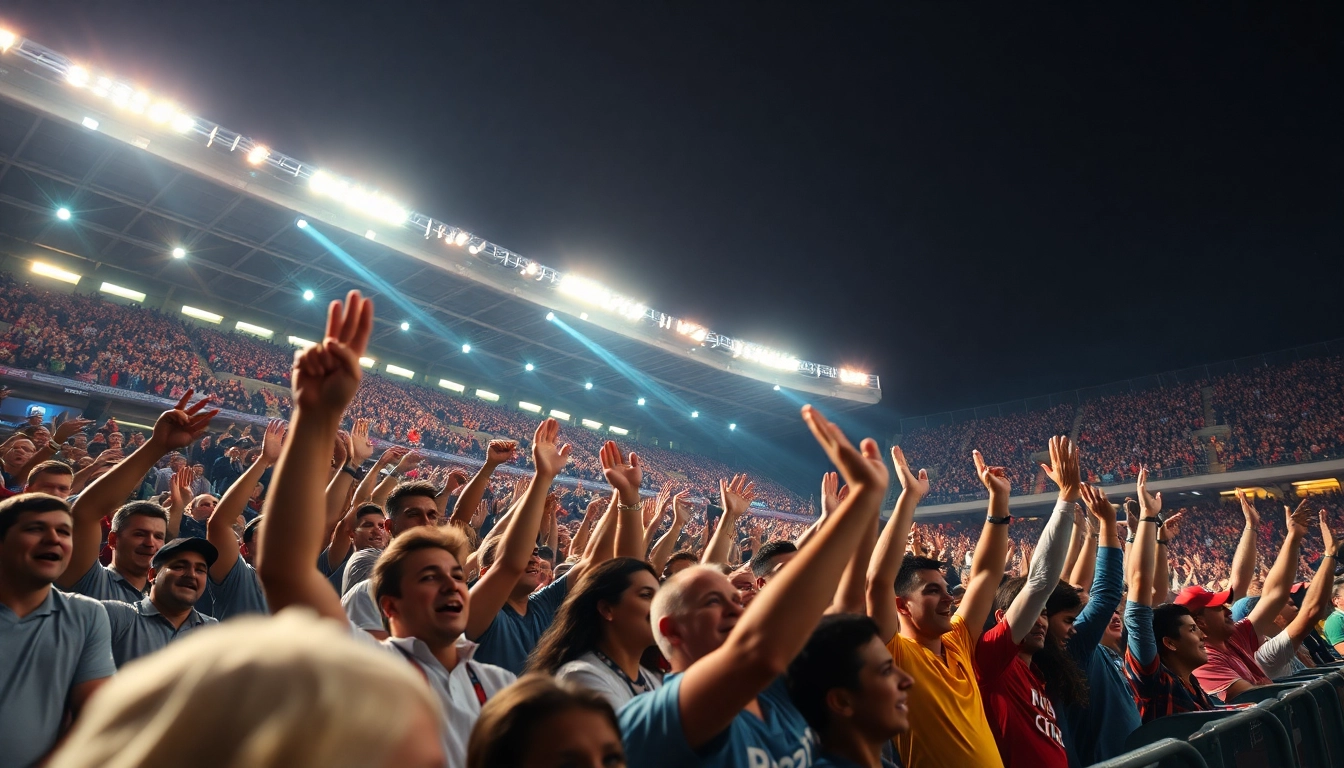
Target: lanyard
(471, 673)
(636, 686)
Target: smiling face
(369, 531)
(434, 600)
(880, 707)
(180, 582)
(927, 606)
(134, 546)
(712, 610)
(36, 549)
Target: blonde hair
(672, 599)
(290, 691)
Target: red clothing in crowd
(1019, 713)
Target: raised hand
(272, 440)
(681, 507)
(1327, 538)
(326, 375)
(340, 450)
(1063, 469)
(1297, 519)
(183, 425)
(108, 457)
(360, 446)
(549, 457)
(455, 481)
(1149, 504)
(393, 454)
(918, 485)
(408, 462)
(180, 488)
(994, 478)
(1248, 509)
(662, 500)
(1097, 503)
(830, 492)
(622, 475)
(736, 495)
(69, 429)
(1172, 526)
(860, 467)
(500, 451)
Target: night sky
(975, 203)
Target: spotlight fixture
(302, 223)
(405, 326)
(587, 385)
(550, 316)
(640, 401)
(776, 387)
(466, 348)
(179, 253)
(529, 367)
(308, 295)
(695, 414)
(63, 214)
(732, 427)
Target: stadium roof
(136, 189)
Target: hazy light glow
(55, 273)
(397, 370)
(63, 214)
(255, 330)
(89, 123)
(308, 295)
(125, 293)
(179, 253)
(201, 314)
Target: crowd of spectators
(1153, 428)
(1282, 415)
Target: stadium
(146, 250)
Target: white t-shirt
(362, 609)
(592, 673)
(1277, 656)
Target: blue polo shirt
(63, 643)
(139, 629)
(238, 594)
(511, 637)
(101, 582)
(651, 730)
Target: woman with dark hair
(601, 630)
(539, 723)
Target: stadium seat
(1250, 738)
(1167, 753)
(1263, 692)
(1173, 727)
(1301, 716)
(1332, 718)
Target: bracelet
(1156, 520)
(992, 520)
(349, 470)
(1328, 554)
(629, 507)
(1161, 543)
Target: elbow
(767, 658)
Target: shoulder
(653, 713)
(585, 672)
(118, 610)
(492, 677)
(555, 591)
(1246, 635)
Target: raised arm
(219, 529)
(374, 477)
(667, 543)
(885, 563)
(356, 449)
(1275, 593)
(496, 452)
(106, 458)
(579, 543)
(1166, 533)
(520, 537)
(1316, 603)
(766, 638)
(661, 505)
(408, 462)
(1076, 543)
(174, 429)
(1086, 566)
(179, 496)
(325, 378)
(1143, 553)
(1048, 562)
(453, 482)
(990, 552)
(625, 476)
(735, 495)
(1243, 562)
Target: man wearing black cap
(177, 580)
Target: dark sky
(975, 203)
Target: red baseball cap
(1197, 598)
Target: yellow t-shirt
(948, 728)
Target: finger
(364, 328)
(335, 316)
(186, 397)
(980, 461)
(817, 424)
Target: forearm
(664, 547)
(234, 501)
(364, 492)
(1086, 567)
(1047, 564)
(850, 593)
(1141, 563)
(1280, 578)
(520, 538)
(1076, 545)
(717, 550)
(1243, 563)
(384, 488)
(473, 492)
(629, 531)
(1161, 571)
(1316, 603)
(338, 490)
(579, 543)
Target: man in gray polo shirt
(137, 529)
(177, 581)
(56, 647)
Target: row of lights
(64, 214)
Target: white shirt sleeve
(1275, 656)
(361, 609)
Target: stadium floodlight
(7, 40)
(397, 370)
(300, 342)
(179, 253)
(583, 315)
(255, 330)
(853, 377)
(561, 415)
(453, 385)
(587, 385)
(529, 367)
(125, 293)
(640, 401)
(776, 387)
(589, 423)
(258, 154)
(161, 112)
(56, 273)
(695, 414)
(466, 348)
(63, 214)
(405, 326)
(487, 395)
(201, 314)
(370, 234)
(550, 316)
(301, 223)
(77, 76)
(89, 123)
(367, 362)
(461, 239)
(183, 123)
(732, 427)
(308, 295)
(475, 248)
(531, 407)
(618, 430)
